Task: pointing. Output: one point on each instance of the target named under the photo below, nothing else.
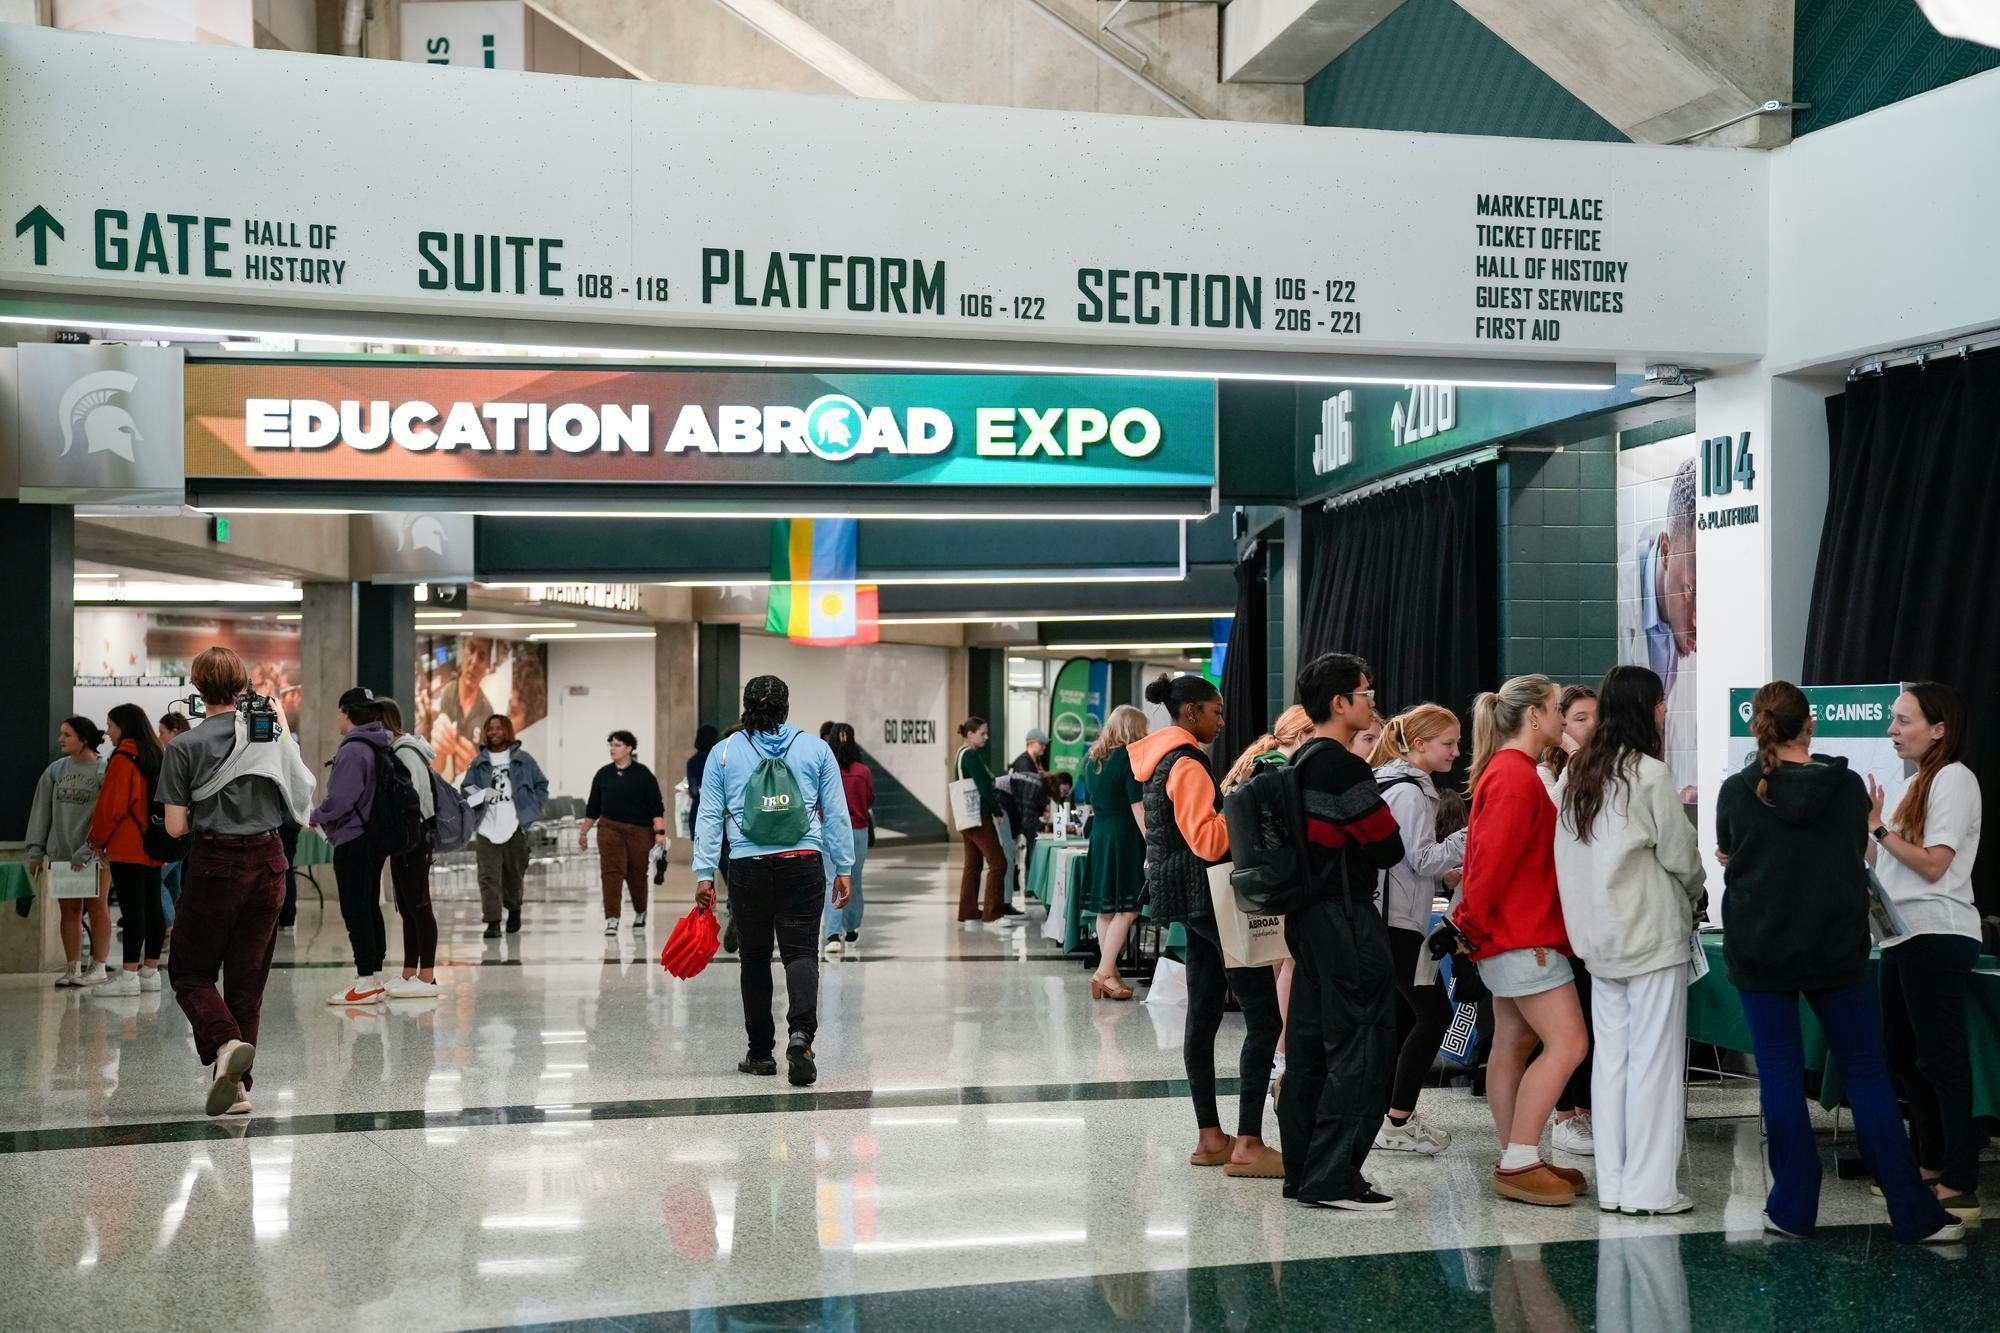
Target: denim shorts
(1516, 973)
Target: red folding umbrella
(693, 943)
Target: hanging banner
(1077, 707)
(1851, 721)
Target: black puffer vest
(1176, 879)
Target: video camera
(260, 714)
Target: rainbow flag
(814, 597)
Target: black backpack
(394, 824)
(159, 844)
(1266, 815)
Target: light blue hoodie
(727, 778)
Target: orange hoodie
(118, 824)
(1191, 787)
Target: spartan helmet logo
(88, 405)
(422, 533)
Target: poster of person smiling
(1657, 484)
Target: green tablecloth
(14, 882)
(1041, 872)
(314, 849)
(1715, 1017)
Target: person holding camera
(59, 831)
(118, 832)
(231, 791)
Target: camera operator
(230, 782)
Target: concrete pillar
(676, 686)
(328, 632)
(385, 644)
(38, 548)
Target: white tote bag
(1247, 941)
(963, 798)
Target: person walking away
(1185, 835)
(857, 781)
(1114, 871)
(781, 791)
(982, 843)
(1341, 1035)
(171, 724)
(1573, 1131)
(232, 794)
(118, 832)
(1414, 748)
(1924, 855)
(1628, 870)
(410, 872)
(507, 787)
(59, 831)
(344, 817)
(1791, 832)
(629, 811)
(1510, 915)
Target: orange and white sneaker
(361, 990)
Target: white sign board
(477, 34)
(386, 188)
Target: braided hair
(1779, 713)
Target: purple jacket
(350, 788)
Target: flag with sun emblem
(814, 598)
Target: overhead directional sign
(385, 187)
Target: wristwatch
(1880, 833)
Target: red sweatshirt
(1510, 863)
(118, 824)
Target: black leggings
(357, 868)
(411, 876)
(1422, 1015)
(1209, 983)
(141, 924)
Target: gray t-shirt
(250, 804)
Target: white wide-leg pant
(1638, 1098)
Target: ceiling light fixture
(592, 634)
(1031, 618)
(1127, 647)
(472, 627)
(932, 581)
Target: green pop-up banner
(1076, 711)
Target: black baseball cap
(359, 695)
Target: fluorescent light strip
(511, 624)
(820, 359)
(931, 581)
(1051, 620)
(81, 577)
(439, 615)
(608, 634)
(1126, 647)
(887, 514)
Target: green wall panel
(1852, 56)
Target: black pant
(1576, 1092)
(1923, 1034)
(141, 925)
(778, 898)
(357, 868)
(1209, 982)
(411, 876)
(288, 836)
(1422, 1015)
(1338, 1045)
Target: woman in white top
(1578, 705)
(1629, 870)
(1931, 843)
(1413, 748)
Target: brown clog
(1270, 1165)
(1220, 1157)
(1535, 1184)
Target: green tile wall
(1557, 523)
(1433, 67)
(1852, 56)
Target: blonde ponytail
(1291, 729)
(1408, 729)
(1499, 715)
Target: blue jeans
(1854, 1036)
(1923, 1030)
(840, 920)
(170, 891)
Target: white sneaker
(831, 949)
(1681, 1204)
(120, 986)
(1412, 1136)
(225, 1092)
(638, 921)
(149, 978)
(1010, 921)
(72, 976)
(968, 927)
(1573, 1136)
(94, 974)
(411, 988)
(610, 925)
(361, 990)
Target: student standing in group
(630, 814)
(410, 872)
(1791, 831)
(507, 787)
(59, 831)
(982, 842)
(1510, 914)
(118, 832)
(1415, 747)
(232, 794)
(1573, 1131)
(1628, 869)
(1185, 835)
(1341, 1029)
(343, 816)
(857, 780)
(1924, 855)
(781, 791)
(1114, 871)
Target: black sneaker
(853, 935)
(492, 930)
(799, 1056)
(659, 872)
(729, 936)
(1368, 1201)
(757, 1064)
(514, 921)
(1008, 909)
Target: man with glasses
(1341, 1034)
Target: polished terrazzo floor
(561, 1138)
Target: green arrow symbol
(43, 222)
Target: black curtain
(1909, 555)
(1406, 579)
(1246, 669)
